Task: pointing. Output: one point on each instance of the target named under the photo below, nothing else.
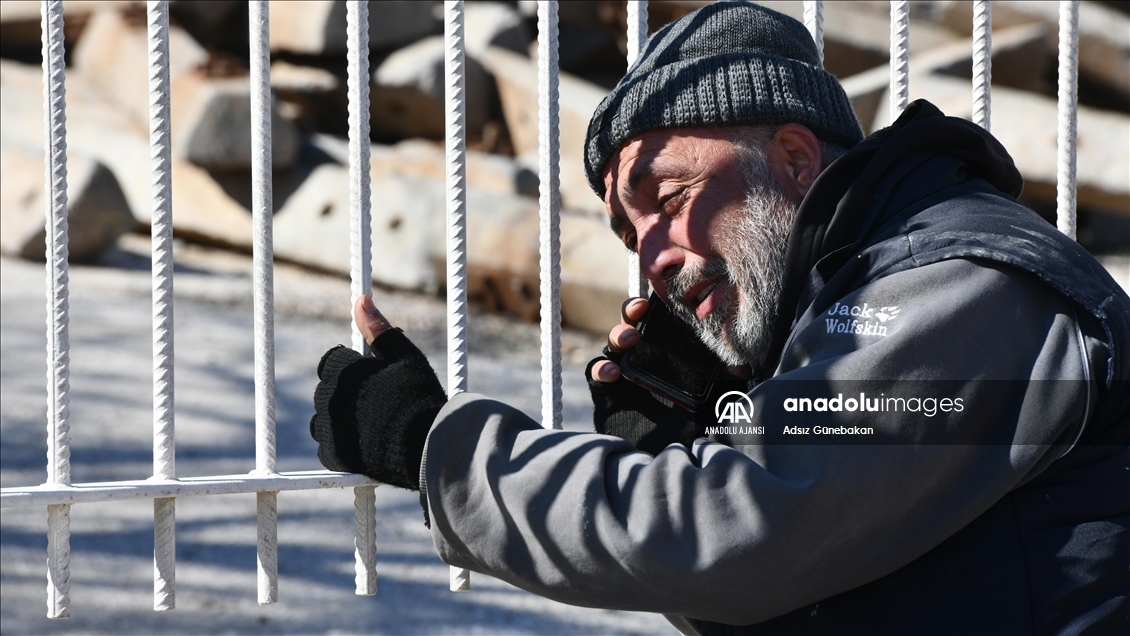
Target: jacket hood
(921, 153)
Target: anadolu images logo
(733, 407)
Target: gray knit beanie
(727, 64)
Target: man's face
(710, 227)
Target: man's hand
(621, 338)
(372, 414)
(369, 320)
(625, 409)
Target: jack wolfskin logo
(857, 319)
(887, 313)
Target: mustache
(687, 278)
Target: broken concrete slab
(426, 160)
(318, 28)
(313, 227)
(103, 131)
(408, 93)
(487, 24)
(95, 127)
(517, 80)
(855, 41)
(409, 243)
(218, 25)
(311, 97)
(288, 78)
(421, 159)
(594, 273)
(20, 24)
(1104, 34)
(97, 211)
(1026, 124)
(113, 55)
(1017, 61)
(211, 124)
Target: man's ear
(797, 159)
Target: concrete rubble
(108, 125)
(97, 212)
(1104, 34)
(319, 28)
(1026, 125)
(1014, 49)
(517, 78)
(113, 54)
(408, 93)
(211, 124)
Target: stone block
(217, 24)
(410, 249)
(594, 273)
(20, 25)
(1026, 124)
(101, 130)
(420, 159)
(487, 24)
(113, 55)
(311, 97)
(516, 77)
(211, 124)
(97, 128)
(408, 93)
(1104, 34)
(1017, 61)
(856, 40)
(318, 28)
(97, 212)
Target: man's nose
(659, 258)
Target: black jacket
(992, 496)
(1052, 555)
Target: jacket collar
(868, 185)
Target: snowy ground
(111, 429)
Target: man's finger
(623, 337)
(632, 310)
(370, 322)
(605, 371)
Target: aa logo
(733, 407)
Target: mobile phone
(670, 361)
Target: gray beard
(752, 259)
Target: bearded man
(938, 438)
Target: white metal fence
(59, 494)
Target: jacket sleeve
(743, 532)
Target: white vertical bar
(164, 453)
(637, 38)
(900, 57)
(267, 546)
(59, 561)
(550, 204)
(263, 248)
(361, 241)
(164, 553)
(456, 134)
(58, 307)
(814, 21)
(365, 539)
(263, 254)
(982, 63)
(1068, 116)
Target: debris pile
(108, 148)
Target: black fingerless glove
(631, 412)
(372, 414)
